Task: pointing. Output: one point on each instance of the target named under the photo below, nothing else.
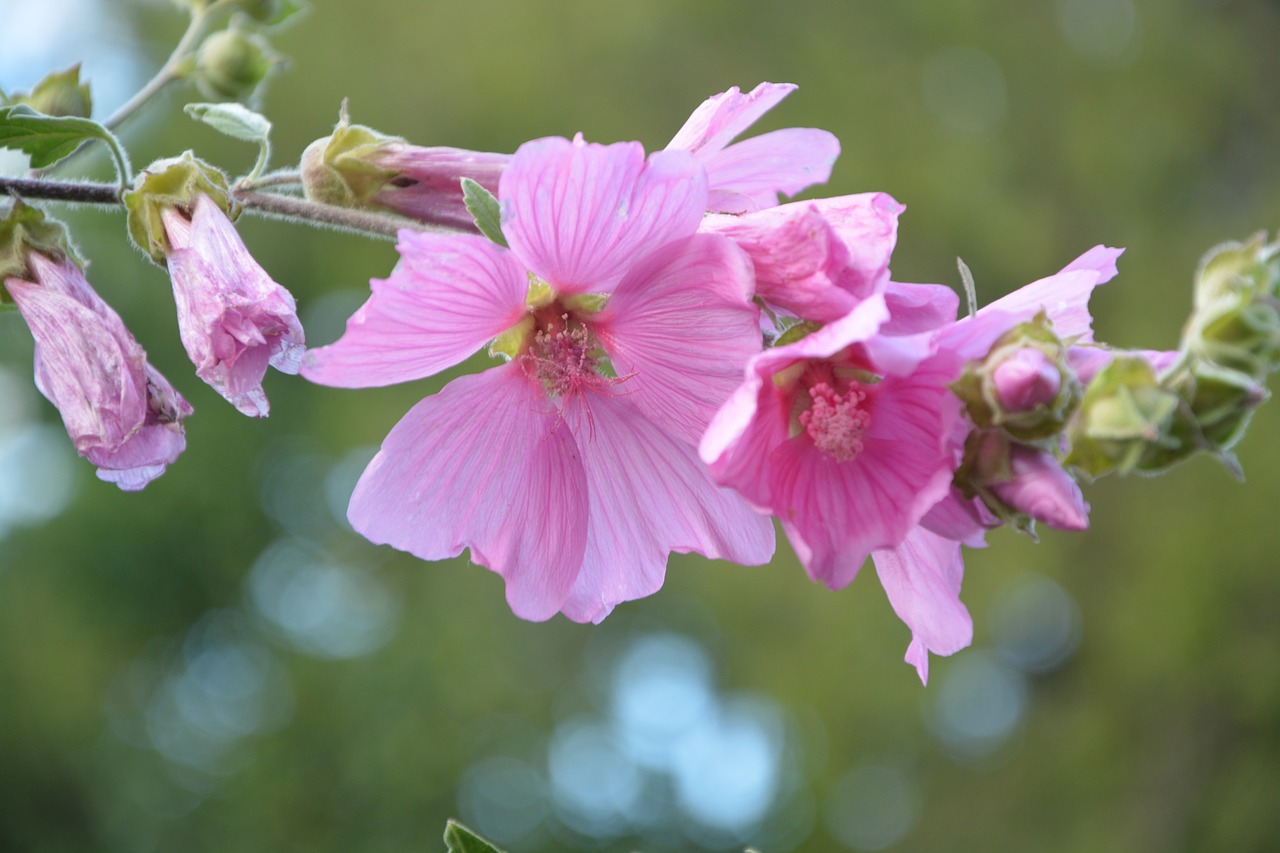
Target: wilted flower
(570, 469)
(233, 318)
(120, 413)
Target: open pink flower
(569, 470)
(233, 319)
(749, 175)
(843, 435)
(120, 413)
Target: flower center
(836, 421)
(561, 359)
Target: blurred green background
(218, 663)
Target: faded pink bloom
(748, 175)
(120, 413)
(817, 259)
(233, 319)
(570, 469)
(427, 182)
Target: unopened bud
(1026, 379)
(59, 94)
(1040, 488)
(1236, 322)
(357, 166)
(1023, 385)
(232, 63)
(1124, 415)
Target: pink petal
(867, 223)
(720, 118)
(922, 578)
(783, 161)
(915, 308)
(681, 326)
(837, 513)
(1064, 295)
(650, 495)
(448, 297)
(486, 464)
(798, 258)
(579, 215)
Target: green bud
(232, 63)
(261, 10)
(1236, 321)
(170, 183)
(1124, 415)
(1217, 406)
(59, 94)
(1023, 385)
(23, 230)
(340, 169)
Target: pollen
(562, 359)
(836, 422)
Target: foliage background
(1018, 134)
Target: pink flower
(749, 175)
(844, 436)
(120, 413)
(569, 470)
(1041, 488)
(817, 259)
(233, 319)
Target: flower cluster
(678, 357)
(120, 413)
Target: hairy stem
(274, 205)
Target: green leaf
(231, 119)
(288, 8)
(463, 840)
(47, 138)
(483, 207)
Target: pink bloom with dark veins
(234, 320)
(569, 469)
(120, 413)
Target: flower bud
(1236, 321)
(1125, 414)
(24, 230)
(231, 63)
(357, 166)
(1025, 380)
(1039, 487)
(59, 94)
(172, 183)
(1023, 385)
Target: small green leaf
(483, 207)
(463, 840)
(47, 138)
(288, 8)
(231, 119)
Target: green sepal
(483, 207)
(47, 139)
(339, 169)
(1124, 415)
(26, 229)
(1236, 321)
(175, 183)
(60, 93)
(798, 331)
(460, 839)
